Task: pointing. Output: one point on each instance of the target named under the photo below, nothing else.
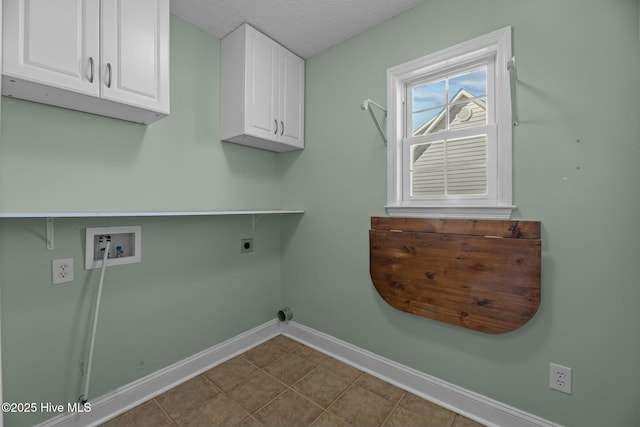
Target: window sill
(476, 212)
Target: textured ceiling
(306, 27)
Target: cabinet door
(261, 96)
(53, 42)
(291, 105)
(135, 53)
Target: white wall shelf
(50, 216)
(145, 214)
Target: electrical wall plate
(125, 246)
(61, 271)
(560, 378)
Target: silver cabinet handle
(108, 74)
(91, 69)
(281, 128)
(275, 132)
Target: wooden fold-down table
(479, 274)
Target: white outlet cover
(560, 378)
(61, 271)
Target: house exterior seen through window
(448, 165)
(449, 132)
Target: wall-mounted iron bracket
(254, 221)
(366, 105)
(49, 233)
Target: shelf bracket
(49, 233)
(254, 220)
(513, 80)
(366, 105)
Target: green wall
(579, 68)
(578, 64)
(57, 160)
(193, 288)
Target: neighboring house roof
(477, 109)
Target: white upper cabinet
(53, 42)
(291, 105)
(135, 52)
(262, 92)
(108, 57)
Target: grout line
(287, 387)
(290, 387)
(339, 396)
(393, 409)
(208, 380)
(306, 375)
(159, 406)
(268, 402)
(309, 400)
(316, 418)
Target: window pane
(472, 84)
(468, 113)
(452, 103)
(428, 182)
(467, 151)
(427, 100)
(427, 169)
(429, 95)
(467, 166)
(427, 155)
(429, 121)
(467, 180)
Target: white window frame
(498, 202)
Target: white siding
(463, 163)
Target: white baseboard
(472, 405)
(137, 392)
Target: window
(449, 132)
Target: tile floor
(283, 383)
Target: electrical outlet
(61, 271)
(246, 245)
(560, 378)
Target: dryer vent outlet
(285, 314)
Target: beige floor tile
(288, 409)
(327, 419)
(312, 355)
(264, 354)
(290, 368)
(256, 391)
(461, 421)
(345, 371)
(148, 414)
(285, 343)
(361, 407)
(217, 411)
(230, 373)
(250, 422)
(322, 386)
(427, 410)
(400, 417)
(381, 388)
(182, 399)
